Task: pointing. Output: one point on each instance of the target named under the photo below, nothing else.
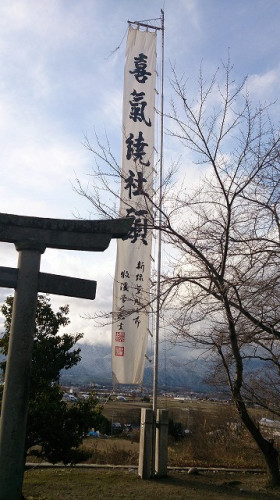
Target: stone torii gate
(31, 236)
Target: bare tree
(221, 286)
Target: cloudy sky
(61, 80)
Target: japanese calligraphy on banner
(133, 265)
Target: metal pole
(17, 376)
(155, 378)
(147, 447)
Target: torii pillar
(31, 236)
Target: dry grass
(112, 451)
(204, 449)
(216, 440)
(216, 450)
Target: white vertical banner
(133, 264)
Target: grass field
(64, 484)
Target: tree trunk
(270, 454)
(272, 464)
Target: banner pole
(158, 289)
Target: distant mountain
(94, 367)
(179, 368)
(175, 370)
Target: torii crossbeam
(31, 236)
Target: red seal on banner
(120, 336)
(119, 351)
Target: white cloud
(38, 175)
(264, 85)
(97, 266)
